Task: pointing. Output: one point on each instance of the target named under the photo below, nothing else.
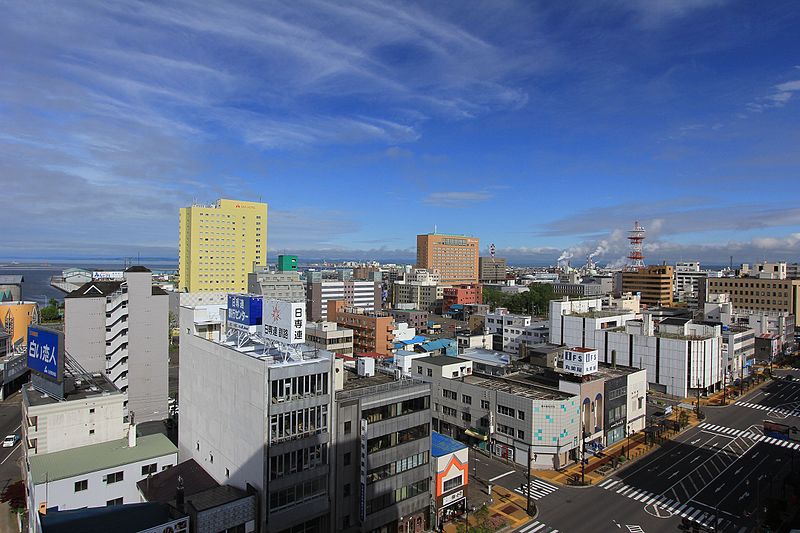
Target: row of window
(397, 467)
(299, 387)
(511, 432)
(403, 493)
(298, 423)
(298, 461)
(297, 494)
(510, 412)
(392, 410)
(396, 438)
(116, 477)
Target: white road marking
(12, 453)
(495, 478)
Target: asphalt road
(10, 422)
(715, 473)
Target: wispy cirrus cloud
(456, 198)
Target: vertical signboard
(362, 508)
(285, 321)
(244, 312)
(46, 353)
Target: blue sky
(543, 127)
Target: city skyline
(543, 129)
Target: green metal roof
(103, 456)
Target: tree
(14, 496)
(51, 312)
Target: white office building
(253, 414)
(120, 328)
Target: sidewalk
(731, 395)
(8, 524)
(598, 468)
(506, 505)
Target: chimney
(132, 432)
(179, 503)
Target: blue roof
(443, 445)
(438, 344)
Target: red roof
(373, 355)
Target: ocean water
(36, 286)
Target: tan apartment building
(492, 269)
(455, 257)
(329, 336)
(219, 244)
(372, 330)
(758, 295)
(653, 283)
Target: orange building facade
(455, 257)
(372, 330)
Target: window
(454, 483)
(91, 410)
(520, 414)
(449, 411)
(520, 434)
(430, 373)
(346, 521)
(81, 485)
(347, 459)
(149, 469)
(466, 417)
(227, 473)
(466, 399)
(506, 411)
(485, 404)
(419, 370)
(114, 478)
(346, 490)
(449, 394)
(91, 432)
(115, 501)
(348, 427)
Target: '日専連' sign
(284, 321)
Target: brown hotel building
(455, 257)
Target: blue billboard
(244, 309)
(46, 352)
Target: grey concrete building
(279, 285)
(413, 317)
(121, 328)
(511, 414)
(251, 414)
(366, 295)
(492, 269)
(329, 336)
(11, 288)
(382, 455)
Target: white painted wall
(61, 493)
(66, 425)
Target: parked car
(10, 440)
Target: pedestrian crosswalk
(783, 411)
(536, 527)
(731, 432)
(539, 489)
(676, 508)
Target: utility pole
(530, 510)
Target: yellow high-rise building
(219, 245)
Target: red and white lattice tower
(636, 236)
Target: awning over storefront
(476, 433)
